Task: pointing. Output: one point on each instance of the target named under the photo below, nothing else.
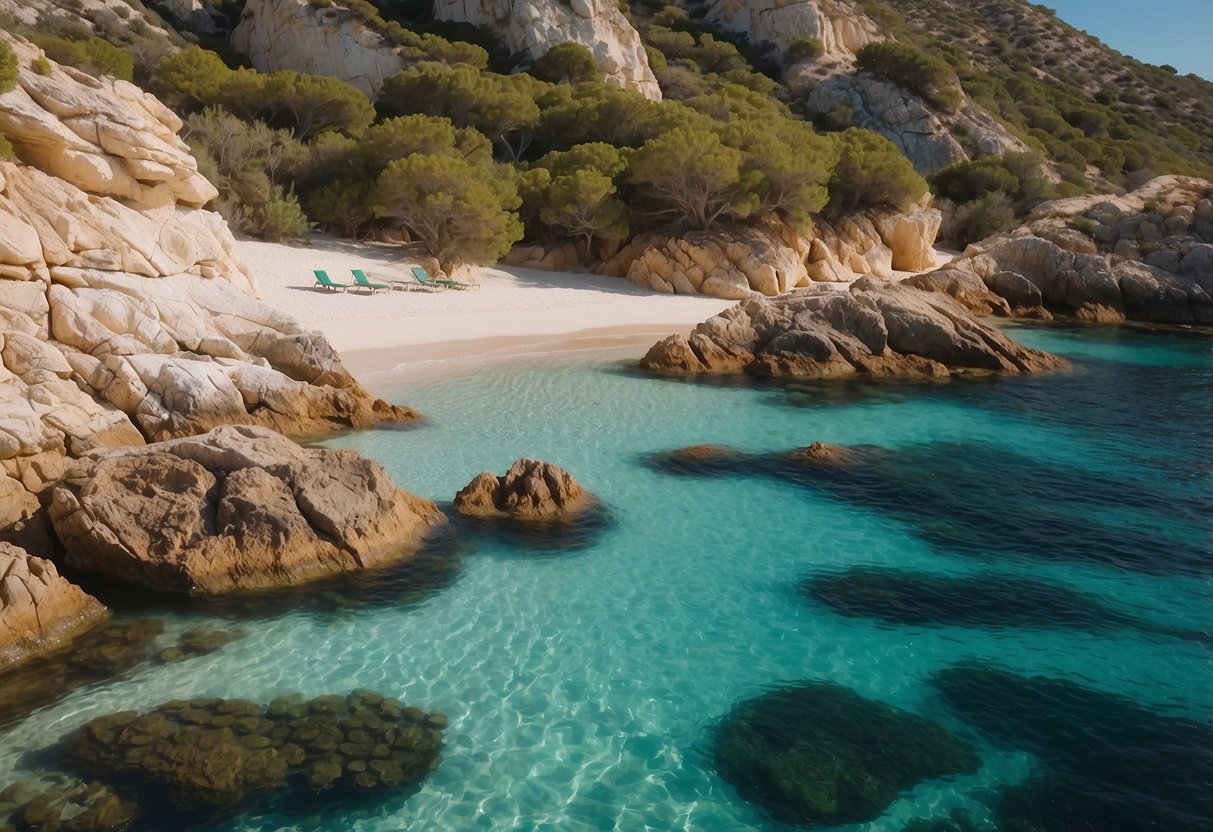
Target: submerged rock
(947, 493)
(199, 643)
(902, 596)
(1107, 763)
(530, 490)
(876, 328)
(818, 753)
(99, 655)
(72, 806)
(201, 758)
(239, 507)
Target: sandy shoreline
(516, 311)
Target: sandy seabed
(514, 311)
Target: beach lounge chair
(425, 280)
(361, 279)
(323, 281)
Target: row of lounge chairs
(421, 280)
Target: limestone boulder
(1105, 259)
(965, 287)
(877, 328)
(532, 27)
(925, 135)
(531, 490)
(840, 26)
(39, 609)
(239, 507)
(316, 39)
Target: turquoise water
(583, 685)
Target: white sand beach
(515, 310)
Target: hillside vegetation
(472, 149)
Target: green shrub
(911, 68)
(6, 148)
(803, 49)
(871, 172)
(42, 66)
(982, 217)
(568, 62)
(8, 68)
(1084, 224)
(93, 55)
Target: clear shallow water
(583, 685)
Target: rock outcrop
(1144, 256)
(768, 258)
(839, 25)
(925, 135)
(38, 608)
(531, 491)
(876, 328)
(125, 315)
(236, 508)
(195, 16)
(535, 26)
(315, 39)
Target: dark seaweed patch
(1107, 763)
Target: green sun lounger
(361, 279)
(323, 281)
(425, 280)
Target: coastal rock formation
(529, 490)
(925, 135)
(535, 26)
(38, 608)
(769, 258)
(316, 39)
(839, 25)
(875, 328)
(820, 754)
(125, 315)
(195, 16)
(1144, 256)
(237, 508)
(965, 288)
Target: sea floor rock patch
(239, 507)
(820, 754)
(1105, 762)
(204, 758)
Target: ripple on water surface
(583, 687)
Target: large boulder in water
(876, 328)
(821, 754)
(530, 490)
(240, 507)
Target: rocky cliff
(125, 316)
(315, 39)
(535, 26)
(1144, 256)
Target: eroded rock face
(839, 25)
(535, 26)
(876, 328)
(38, 608)
(922, 133)
(768, 258)
(530, 490)
(240, 507)
(125, 315)
(1144, 256)
(317, 40)
(820, 754)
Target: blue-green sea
(584, 682)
